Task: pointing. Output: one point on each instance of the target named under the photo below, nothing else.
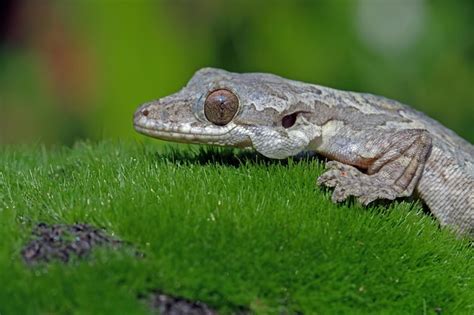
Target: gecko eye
(221, 106)
(289, 120)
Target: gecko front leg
(380, 166)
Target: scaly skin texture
(381, 149)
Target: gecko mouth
(183, 132)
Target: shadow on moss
(205, 155)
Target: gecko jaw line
(168, 131)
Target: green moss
(228, 229)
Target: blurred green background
(78, 69)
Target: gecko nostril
(145, 112)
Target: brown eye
(221, 106)
(289, 120)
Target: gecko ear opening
(289, 121)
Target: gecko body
(380, 148)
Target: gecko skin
(381, 149)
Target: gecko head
(263, 111)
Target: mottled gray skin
(381, 149)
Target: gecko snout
(141, 113)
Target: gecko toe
(328, 179)
(339, 195)
(335, 165)
(342, 192)
(365, 200)
(387, 193)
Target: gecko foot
(349, 181)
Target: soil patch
(63, 241)
(165, 304)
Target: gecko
(377, 148)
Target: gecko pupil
(221, 106)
